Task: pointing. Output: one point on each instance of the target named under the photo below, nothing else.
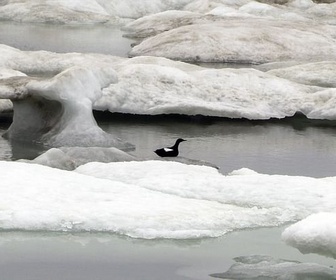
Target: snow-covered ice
(317, 74)
(157, 23)
(83, 12)
(151, 86)
(54, 11)
(154, 199)
(57, 111)
(265, 267)
(315, 234)
(106, 11)
(165, 87)
(243, 188)
(69, 158)
(243, 41)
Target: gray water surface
(272, 148)
(56, 256)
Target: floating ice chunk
(318, 74)
(54, 11)
(136, 9)
(154, 87)
(101, 11)
(55, 158)
(42, 198)
(275, 199)
(153, 199)
(86, 11)
(247, 41)
(301, 4)
(225, 11)
(79, 5)
(326, 108)
(153, 24)
(81, 155)
(48, 64)
(234, 3)
(265, 267)
(272, 11)
(69, 158)
(58, 111)
(5, 104)
(243, 171)
(257, 8)
(315, 234)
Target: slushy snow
(154, 199)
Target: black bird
(170, 151)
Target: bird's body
(170, 151)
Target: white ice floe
(54, 11)
(87, 12)
(68, 158)
(278, 198)
(57, 111)
(158, 86)
(315, 234)
(151, 86)
(265, 267)
(154, 199)
(317, 74)
(157, 23)
(243, 41)
(46, 64)
(103, 11)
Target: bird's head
(180, 140)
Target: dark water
(266, 147)
(291, 147)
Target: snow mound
(153, 85)
(276, 198)
(154, 199)
(315, 234)
(54, 11)
(249, 41)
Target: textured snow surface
(154, 199)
